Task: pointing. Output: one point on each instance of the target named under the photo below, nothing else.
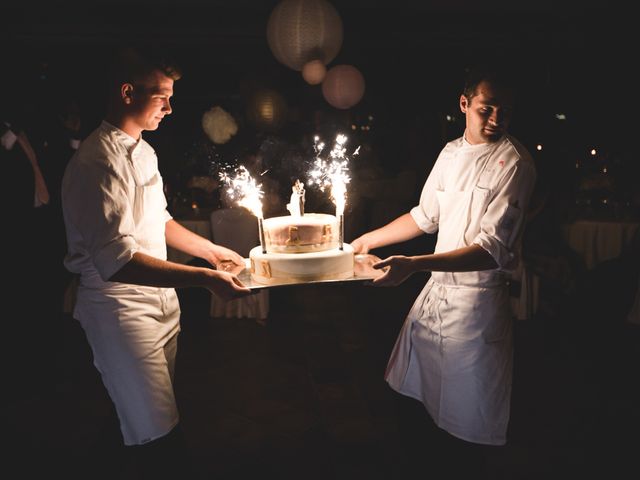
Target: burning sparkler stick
(263, 243)
(333, 174)
(243, 189)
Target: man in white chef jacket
(454, 352)
(118, 230)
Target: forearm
(467, 259)
(186, 241)
(29, 152)
(399, 230)
(41, 185)
(144, 269)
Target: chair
(237, 229)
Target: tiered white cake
(301, 248)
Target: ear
(464, 104)
(126, 93)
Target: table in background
(599, 241)
(254, 306)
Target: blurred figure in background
(60, 138)
(23, 191)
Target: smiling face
(488, 113)
(147, 102)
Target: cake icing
(301, 249)
(311, 232)
(271, 267)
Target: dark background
(572, 58)
(305, 397)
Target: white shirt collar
(127, 140)
(479, 146)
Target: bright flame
(243, 189)
(332, 173)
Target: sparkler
(333, 173)
(248, 194)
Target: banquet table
(599, 241)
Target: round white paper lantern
(219, 125)
(314, 72)
(299, 31)
(343, 86)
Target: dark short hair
(134, 65)
(499, 76)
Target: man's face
(488, 113)
(150, 100)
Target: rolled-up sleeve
(504, 218)
(101, 212)
(427, 213)
(166, 215)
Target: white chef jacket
(114, 205)
(454, 352)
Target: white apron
(133, 330)
(454, 352)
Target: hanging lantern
(314, 72)
(219, 125)
(343, 86)
(299, 31)
(267, 110)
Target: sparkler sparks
(243, 189)
(332, 173)
(248, 194)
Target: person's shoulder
(450, 147)
(512, 151)
(146, 147)
(100, 146)
(453, 144)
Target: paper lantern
(219, 125)
(267, 110)
(314, 72)
(299, 31)
(343, 86)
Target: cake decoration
(301, 247)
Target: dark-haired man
(454, 353)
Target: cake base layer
(269, 268)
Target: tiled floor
(302, 397)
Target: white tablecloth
(238, 230)
(595, 242)
(598, 241)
